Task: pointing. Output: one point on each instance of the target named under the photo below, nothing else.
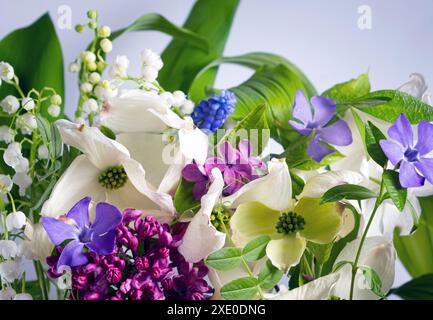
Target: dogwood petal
(79, 180)
(317, 185)
(322, 221)
(193, 142)
(169, 117)
(102, 151)
(253, 219)
(319, 289)
(416, 86)
(129, 112)
(286, 252)
(201, 237)
(273, 190)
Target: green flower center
(113, 178)
(220, 219)
(289, 223)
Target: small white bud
(43, 152)
(104, 32)
(167, 97)
(6, 134)
(54, 110)
(15, 220)
(187, 107)
(94, 77)
(151, 59)
(120, 67)
(56, 99)
(86, 87)
(149, 73)
(28, 103)
(10, 104)
(90, 106)
(179, 98)
(106, 45)
(88, 57)
(74, 67)
(5, 184)
(27, 123)
(6, 71)
(106, 90)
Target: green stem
(41, 279)
(11, 199)
(364, 236)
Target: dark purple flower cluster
(145, 265)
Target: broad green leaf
(225, 258)
(253, 60)
(36, 56)
(107, 132)
(269, 276)
(153, 21)
(420, 288)
(416, 250)
(372, 137)
(347, 192)
(56, 144)
(183, 198)
(397, 193)
(387, 105)
(245, 288)
(297, 157)
(182, 61)
(350, 90)
(297, 184)
(256, 248)
(321, 252)
(44, 129)
(361, 127)
(373, 280)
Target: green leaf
(245, 288)
(55, 146)
(350, 90)
(182, 61)
(108, 132)
(387, 105)
(416, 250)
(373, 280)
(33, 288)
(183, 198)
(256, 119)
(297, 184)
(225, 258)
(36, 56)
(297, 157)
(341, 264)
(253, 60)
(397, 193)
(372, 137)
(153, 21)
(269, 276)
(348, 192)
(44, 129)
(321, 252)
(256, 248)
(420, 288)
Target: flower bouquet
(162, 187)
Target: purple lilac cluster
(145, 265)
(238, 167)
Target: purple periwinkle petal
(316, 150)
(393, 151)
(425, 138)
(401, 131)
(80, 212)
(59, 231)
(72, 255)
(324, 109)
(337, 134)
(425, 167)
(301, 108)
(408, 176)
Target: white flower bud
(120, 67)
(11, 270)
(94, 77)
(15, 220)
(27, 123)
(187, 107)
(106, 90)
(6, 134)
(28, 103)
(6, 71)
(167, 97)
(106, 45)
(10, 104)
(179, 98)
(12, 155)
(90, 106)
(74, 67)
(88, 57)
(7, 294)
(149, 73)
(23, 181)
(86, 87)
(104, 32)
(5, 184)
(56, 99)
(92, 66)
(54, 110)
(151, 59)
(43, 152)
